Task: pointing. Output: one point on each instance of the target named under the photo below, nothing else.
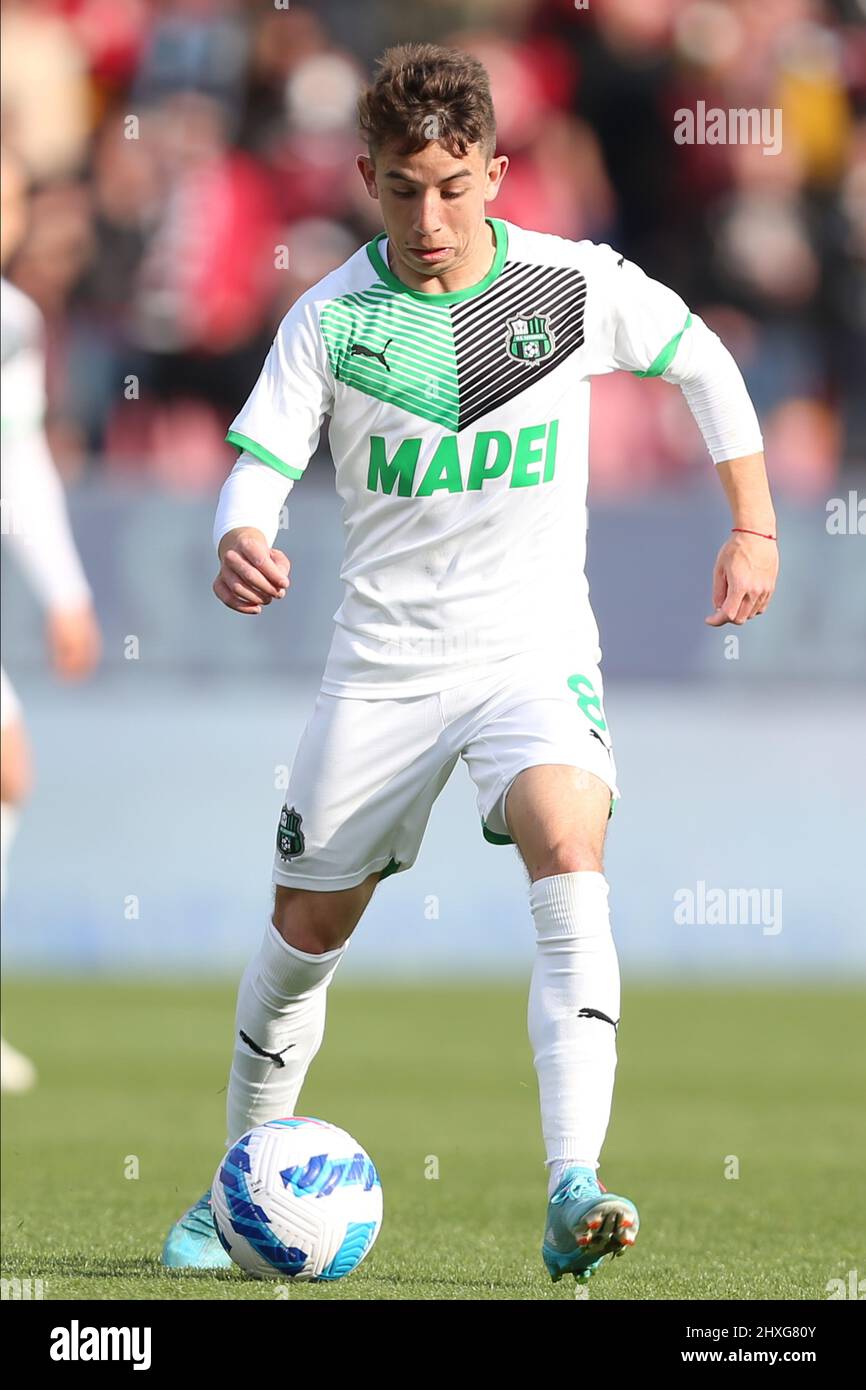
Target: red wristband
(747, 532)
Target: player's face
(433, 206)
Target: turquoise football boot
(193, 1243)
(586, 1226)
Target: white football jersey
(35, 521)
(459, 433)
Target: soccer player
(37, 527)
(453, 355)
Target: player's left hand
(74, 641)
(744, 579)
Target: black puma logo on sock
(276, 1057)
(596, 1013)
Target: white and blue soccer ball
(297, 1198)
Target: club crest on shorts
(530, 338)
(290, 838)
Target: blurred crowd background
(188, 170)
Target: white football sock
(576, 970)
(9, 816)
(281, 1011)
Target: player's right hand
(74, 641)
(250, 574)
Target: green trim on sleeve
(241, 441)
(664, 359)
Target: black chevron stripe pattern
(488, 374)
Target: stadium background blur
(191, 173)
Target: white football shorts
(366, 772)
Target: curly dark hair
(422, 92)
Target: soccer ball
(297, 1198)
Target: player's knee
(571, 857)
(318, 922)
(301, 921)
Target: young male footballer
(453, 355)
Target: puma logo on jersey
(359, 350)
(529, 456)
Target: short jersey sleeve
(282, 418)
(634, 323)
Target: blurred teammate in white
(453, 355)
(36, 526)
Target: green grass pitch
(439, 1078)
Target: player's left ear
(496, 170)
(366, 166)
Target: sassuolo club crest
(290, 837)
(530, 338)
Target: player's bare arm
(251, 573)
(744, 576)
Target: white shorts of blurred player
(367, 772)
(10, 705)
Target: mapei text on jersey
(530, 454)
